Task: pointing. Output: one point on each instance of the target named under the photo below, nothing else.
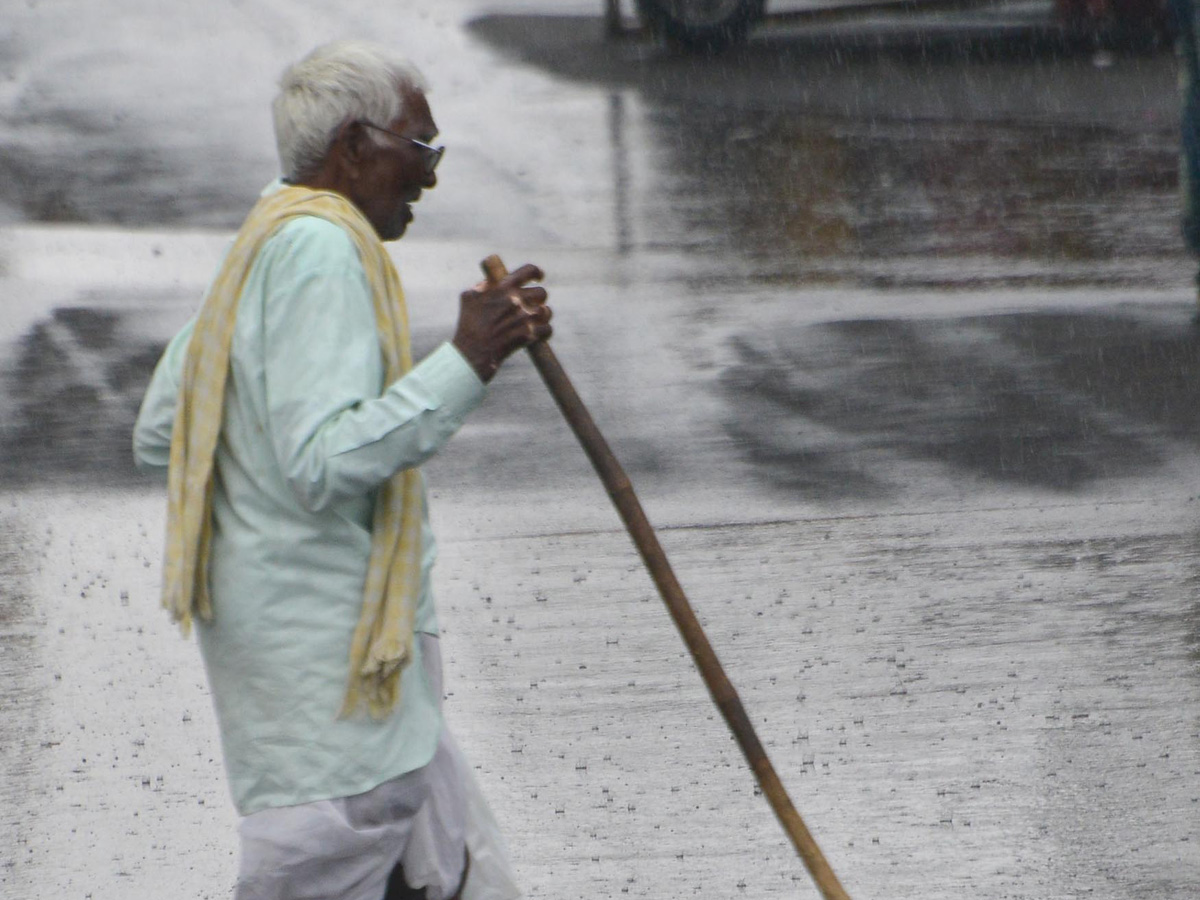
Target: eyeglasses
(431, 155)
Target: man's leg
(398, 889)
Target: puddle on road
(1045, 400)
(837, 163)
(840, 200)
(73, 386)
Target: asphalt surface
(891, 324)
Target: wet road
(896, 343)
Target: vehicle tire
(701, 24)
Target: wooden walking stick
(621, 491)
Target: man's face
(394, 172)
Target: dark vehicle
(710, 25)
(701, 24)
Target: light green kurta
(308, 434)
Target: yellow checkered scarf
(382, 642)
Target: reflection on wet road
(1052, 201)
(1050, 400)
(74, 392)
(994, 163)
(1054, 400)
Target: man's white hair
(336, 83)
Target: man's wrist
(484, 365)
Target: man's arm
(330, 440)
(334, 435)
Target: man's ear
(350, 145)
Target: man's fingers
(538, 323)
(526, 300)
(532, 297)
(536, 329)
(520, 277)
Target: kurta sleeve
(336, 432)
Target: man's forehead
(416, 110)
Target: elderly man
(292, 422)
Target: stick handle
(620, 489)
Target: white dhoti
(345, 849)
